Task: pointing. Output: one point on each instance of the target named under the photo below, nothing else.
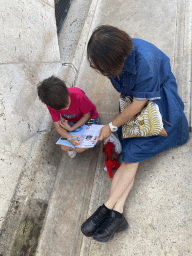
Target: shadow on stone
(26, 239)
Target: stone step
(159, 206)
(69, 204)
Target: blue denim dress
(147, 75)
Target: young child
(70, 108)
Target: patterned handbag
(146, 123)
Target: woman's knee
(130, 164)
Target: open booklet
(89, 136)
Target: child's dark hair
(54, 93)
(107, 48)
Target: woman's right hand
(105, 132)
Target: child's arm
(82, 121)
(61, 131)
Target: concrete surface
(74, 35)
(29, 53)
(159, 206)
(29, 203)
(70, 33)
(69, 201)
(21, 26)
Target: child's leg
(92, 121)
(78, 150)
(65, 148)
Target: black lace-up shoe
(89, 227)
(115, 223)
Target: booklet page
(88, 134)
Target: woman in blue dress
(138, 69)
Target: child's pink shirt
(80, 105)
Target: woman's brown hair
(107, 48)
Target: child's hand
(76, 142)
(64, 124)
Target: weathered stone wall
(29, 53)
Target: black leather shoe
(115, 223)
(89, 227)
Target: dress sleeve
(147, 83)
(148, 89)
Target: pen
(70, 139)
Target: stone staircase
(159, 206)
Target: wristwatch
(112, 127)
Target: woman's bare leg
(121, 202)
(121, 185)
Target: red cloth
(80, 105)
(111, 161)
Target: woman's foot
(94, 222)
(116, 222)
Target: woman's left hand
(105, 132)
